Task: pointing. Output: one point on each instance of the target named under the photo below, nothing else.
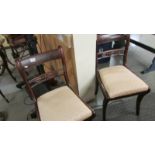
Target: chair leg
(10, 73)
(4, 57)
(96, 87)
(138, 102)
(4, 96)
(105, 103)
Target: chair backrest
(16, 40)
(33, 61)
(105, 38)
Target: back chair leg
(105, 103)
(11, 73)
(138, 102)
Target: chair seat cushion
(120, 81)
(62, 104)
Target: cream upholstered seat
(119, 81)
(62, 104)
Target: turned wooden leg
(105, 103)
(138, 102)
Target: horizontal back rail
(39, 59)
(108, 53)
(102, 39)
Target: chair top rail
(105, 38)
(38, 59)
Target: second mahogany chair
(117, 82)
(59, 104)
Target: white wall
(84, 48)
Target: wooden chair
(117, 82)
(59, 104)
(17, 44)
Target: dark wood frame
(101, 39)
(22, 66)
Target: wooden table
(147, 42)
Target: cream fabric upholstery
(120, 81)
(62, 104)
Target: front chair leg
(138, 102)
(105, 103)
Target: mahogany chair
(59, 104)
(118, 82)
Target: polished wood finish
(106, 39)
